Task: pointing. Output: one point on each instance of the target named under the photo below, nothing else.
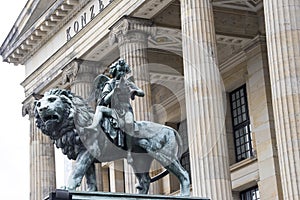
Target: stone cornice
(49, 72)
(243, 54)
(258, 40)
(41, 31)
(19, 25)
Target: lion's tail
(159, 176)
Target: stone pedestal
(205, 97)
(65, 195)
(283, 38)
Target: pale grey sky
(14, 142)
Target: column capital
(28, 108)
(131, 29)
(70, 72)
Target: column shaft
(282, 20)
(132, 34)
(116, 176)
(80, 74)
(262, 121)
(205, 98)
(135, 55)
(42, 162)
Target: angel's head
(119, 69)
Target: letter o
(76, 26)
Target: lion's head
(58, 113)
(55, 112)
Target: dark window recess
(250, 194)
(241, 123)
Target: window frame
(250, 191)
(243, 143)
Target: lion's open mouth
(50, 118)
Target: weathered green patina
(66, 118)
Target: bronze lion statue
(63, 116)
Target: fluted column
(116, 176)
(283, 38)
(205, 99)
(80, 74)
(132, 34)
(262, 120)
(42, 159)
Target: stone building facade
(225, 73)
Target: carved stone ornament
(27, 109)
(70, 72)
(126, 26)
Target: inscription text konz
(85, 17)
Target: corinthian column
(283, 38)
(205, 102)
(80, 74)
(132, 34)
(42, 159)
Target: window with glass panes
(250, 194)
(241, 123)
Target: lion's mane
(77, 114)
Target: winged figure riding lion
(110, 132)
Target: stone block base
(74, 195)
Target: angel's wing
(100, 81)
(98, 86)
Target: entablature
(77, 47)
